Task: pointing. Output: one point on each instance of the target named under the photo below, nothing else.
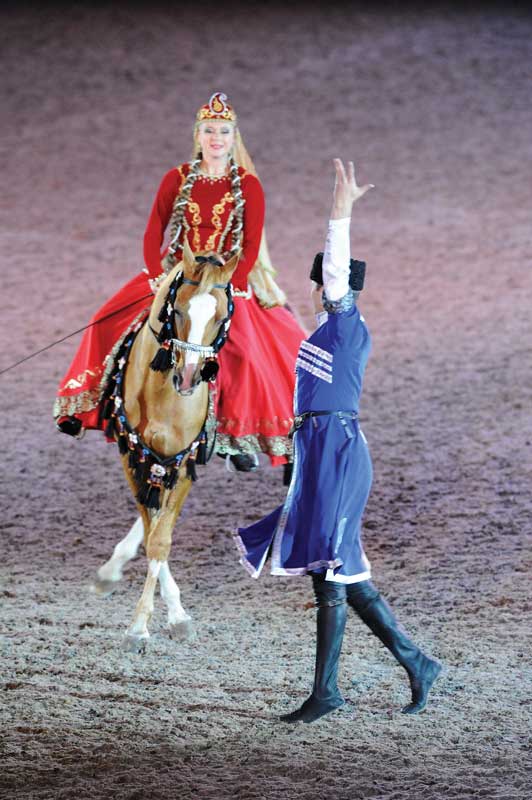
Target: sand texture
(435, 109)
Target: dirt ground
(435, 109)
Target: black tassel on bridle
(209, 370)
(163, 360)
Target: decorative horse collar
(152, 472)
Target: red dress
(256, 379)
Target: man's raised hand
(346, 191)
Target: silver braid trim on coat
(345, 303)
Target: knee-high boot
(375, 612)
(330, 626)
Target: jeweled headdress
(217, 108)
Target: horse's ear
(189, 261)
(229, 267)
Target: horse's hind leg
(110, 573)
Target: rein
(74, 333)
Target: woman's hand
(346, 191)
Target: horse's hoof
(182, 631)
(134, 644)
(103, 588)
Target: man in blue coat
(317, 531)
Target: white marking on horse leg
(171, 596)
(154, 567)
(124, 551)
(139, 626)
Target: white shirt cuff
(336, 259)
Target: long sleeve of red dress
(158, 221)
(253, 225)
(206, 214)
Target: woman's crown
(217, 108)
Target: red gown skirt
(81, 390)
(255, 386)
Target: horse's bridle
(166, 357)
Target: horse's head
(195, 318)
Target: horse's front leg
(158, 544)
(110, 573)
(137, 634)
(179, 622)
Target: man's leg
(372, 609)
(330, 618)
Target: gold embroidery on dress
(255, 423)
(217, 211)
(223, 237)
(79, 380)
(186, 228)
(194, 209)
(273, 445)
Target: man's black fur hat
(357, 272)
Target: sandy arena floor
(435, 109)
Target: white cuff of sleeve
(336, 259)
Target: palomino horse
(157, 408)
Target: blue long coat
(318, 527)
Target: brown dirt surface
(434, 107)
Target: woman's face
(215, 138)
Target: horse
(158, 409)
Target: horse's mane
(210, 274)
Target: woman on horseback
(216, 201)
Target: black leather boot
(245, 463)
(240, 462)
(372, 609)
(331, 617)
(287, 474)
(70, 426)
